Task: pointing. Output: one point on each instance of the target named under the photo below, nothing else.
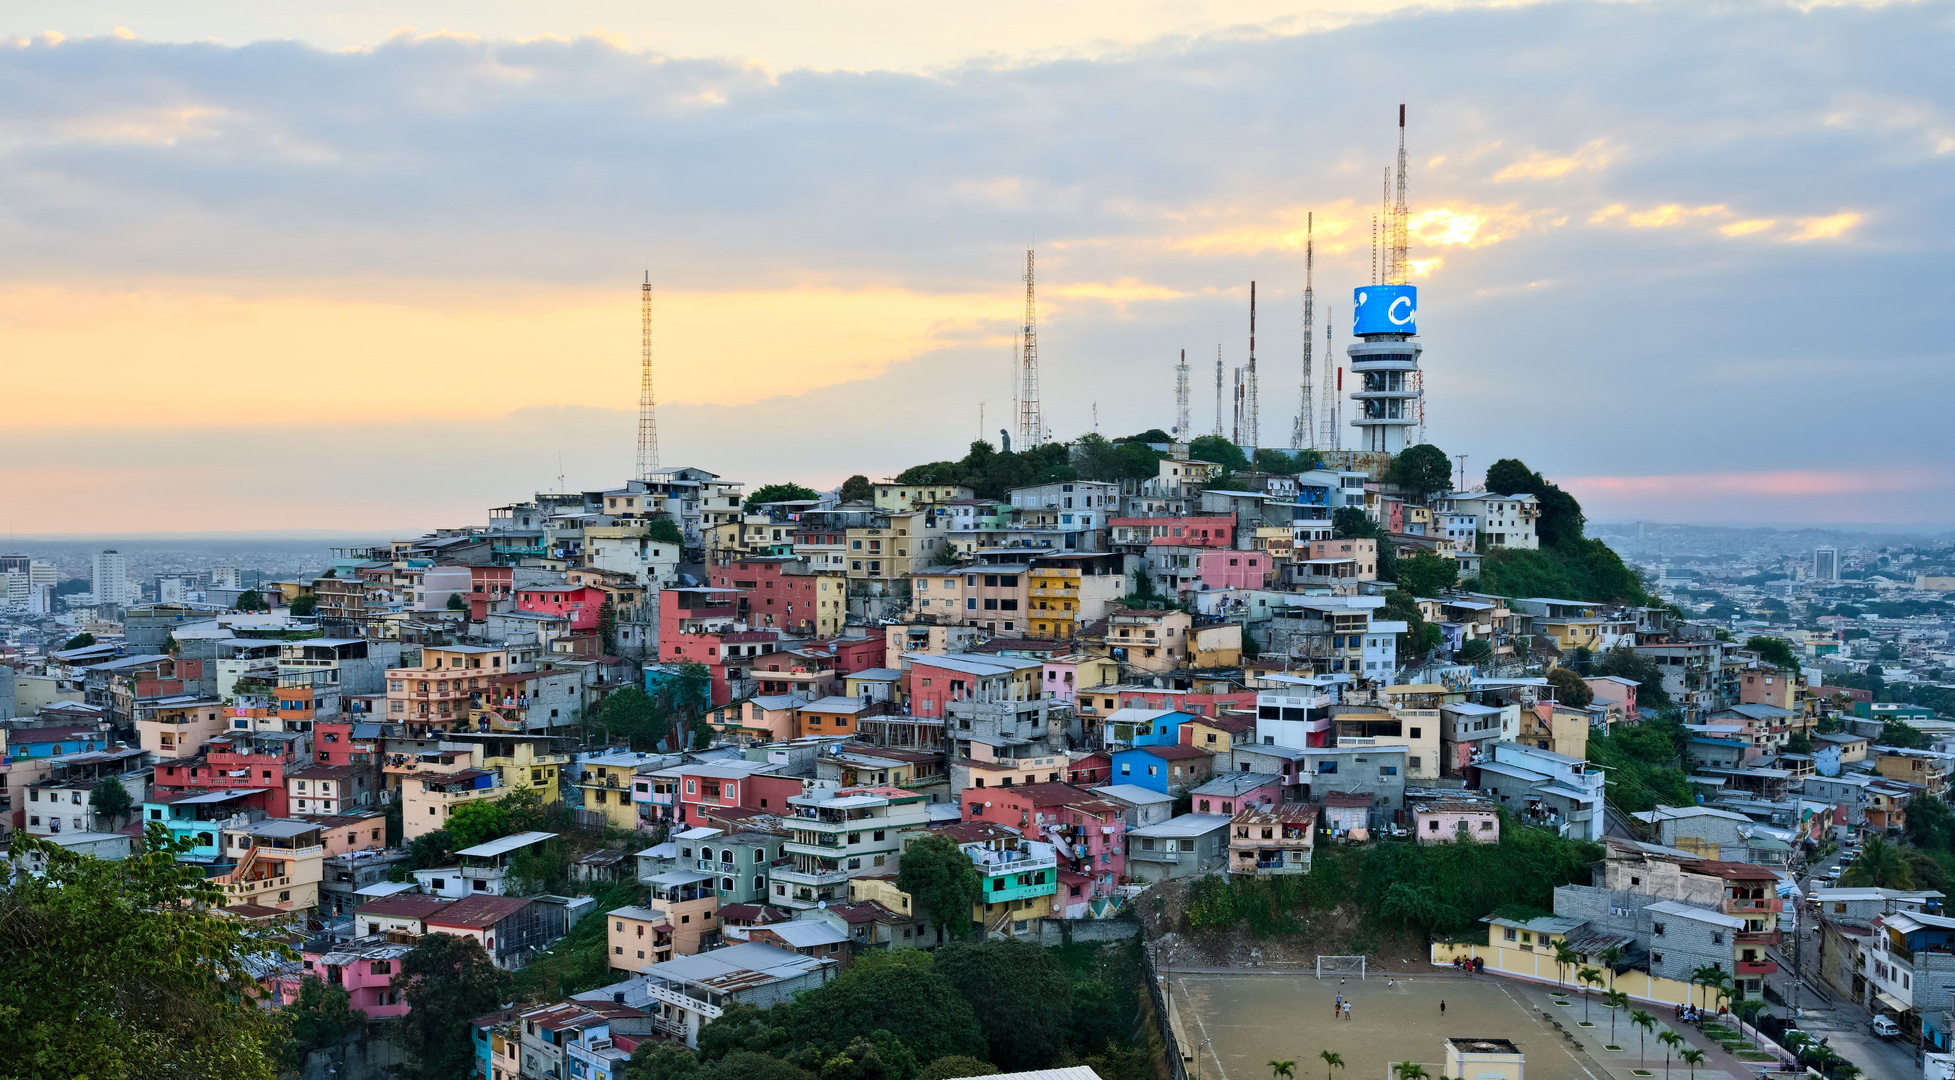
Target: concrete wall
(372, 1058)
(1067, 931)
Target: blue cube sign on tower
(1384, 309)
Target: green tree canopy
(1569, 688)
(910, 1001)
(943, 881)
(664, 530)
(1626, 663)
(857, 488)
(1094, 458)
(1426, 574)
(1774, 651)
(1348, 522)
(991, 473)
(305, 605)
(80, 641)
(1287, 462)
(1561, 522)
(1151, 435)
(636, 717)
(1219, 450)
(1880, 865)
(456, 603)
(1420, 637)
(251, 600)
(110, 799)
(477, 822)
(790, 492)
(1421, 470)
(1930, 825)
(1902, 734)
(122, 970)
(1022, 998)
(449, 982)
(321, 1018)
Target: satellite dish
(821, 905)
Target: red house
(577, 603)
(1187, 701)
(1190, 531)
(775, 591)
(241, 760)
(489, 585)
(709, 786)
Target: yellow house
(279, 864)
(1151, 639)
(1280, 541)
(180, 731)
(637, 936)
(524, 764)
(1218, 646)
(1053, 602)
(1549, 726)
(882, 890)
(1570, 633)
(1527, 950)
(429, 799)
(606, 779)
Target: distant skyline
(272, 268)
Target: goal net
(1340, 965)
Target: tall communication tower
(1397, 220)
(647, 401)
(1303, 434)
(1251, 407)
(1218, 389)
(1031, 421)
(1328, 440)
(1181, 398)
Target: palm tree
(1332, 1060)
(1708, 976)
(1410, 1070)
(1564, 958)
(1670, 1040)
(1590, 979)
(1644, 1024)
(1719, 982)
(1692, 1057)
(1748, 1010)
(1282, 1070)
(1881, 865)
(1610, 957)
(1615, 1001)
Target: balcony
(1758, 967)
(811, 879)
(1735, 906)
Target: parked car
(1884, 1027)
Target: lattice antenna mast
(647, 400)
(1181, 398)
(1218, 389)
(1031, 421)
(1303, 435)
(1329, 439)
(1395, 264)
(1251, 406)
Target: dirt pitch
(1247, 1021)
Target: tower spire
(1251, 407)
(1031, 421)
(1181, 399)
(1395, 265)
(1218, 389)
(647, 400)
(1303, 435)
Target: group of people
(1691, 1014)
(1472, 965)
(1340, 1009)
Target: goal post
(1339, 965)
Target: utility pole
(1462, 472)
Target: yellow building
(429, 799)
(440, 692)
(279, 864)
(907, 546)
(1149, 639)
(606, 780)
(1549, 726)
(893, 496)
(1054, 602)
(1570, 633)
(180, 730)
(1217, 646)
(523, 764)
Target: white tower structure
(1304, 434)
(1385, 358)
(1181, 398)
(110, 578)
(647, 400)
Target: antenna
(1301, 436)
(1096, 418)
(1235, 422)
(1462, 472)
(1395, 264)
(1252, 408)
(1031, 422)
(1218, 390)
(1181, 430)
(647, 400)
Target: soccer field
(1246, 1021)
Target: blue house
(1144, 727)
(54, 741)
(1165, 769)
(200, 816)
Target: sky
(377, 268)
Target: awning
(1891, 1003)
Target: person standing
(1442, 1006)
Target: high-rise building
(224, 577)
(110, 579)
(15, 562)
(26, 583)
(1826, 564)
(1385, 362)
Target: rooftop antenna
(1031, 422)
(1218, 390)
(1181, 430)
(1252, 411)
(1328, 439)
(1301, 436)
(1395, 262)
(1462, 472)
(647, 400)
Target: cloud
(448, 227)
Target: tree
(1021, 996)
(456, 603)
(1569, 688)
(958, 1065)
(1671, 1041)
(1625, 662)
(448, 981)
(1713, 979)
(1332, 1060)
(634, 716)
(943, 881)
(477, 822)
(664, 530)
(305, 605)
(1748, 1009)
(80, 641)
(1282, 1070)
(1902, 734)
(1410, 1070)
(1590, 979)
(607, 626)
(251, 600)
(1564, 958)
(1930, 825)
(768, 493)
(1349, 522)
(1474, 651)
(1420, 637)
(1774, 651)
(856, 489)
(1644, 1023)
(1610, 957)
(120, 969)
(1798, 743)
(109, 798)
(1421, 470)
(1615, 1001)
(1426, 574)
(1219, 450)
(1279, 461)
(1097, 459)
(321, 1018)
(1692, 1057)
(1560, 523)
(902, 996)
(1879, 866)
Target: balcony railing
(1758, 967)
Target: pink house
(1235, 569)
(1188, 701)
(577, 603)
(1216, 531)
(1089, 832)
(706, 787)
(1456, 821)
(365, 969)
(1617, 691)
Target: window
(1656, 929)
